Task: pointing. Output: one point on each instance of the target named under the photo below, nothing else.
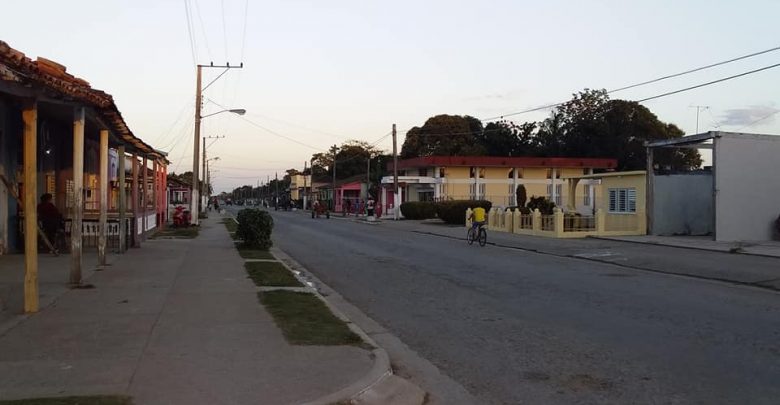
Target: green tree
(447, 135)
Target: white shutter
(631, 200)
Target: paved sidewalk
(762, 248)
(175, 322)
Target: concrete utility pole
(395, 175)
(304, 185)
(194, 210)
(333, 149)
(276, 194)
(368, 175)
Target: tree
(351, 160)
(447, 135)
(592, 125)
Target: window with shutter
(622, 200)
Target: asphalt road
(521, 327)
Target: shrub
(418, 209)
(522, 197)
(254, 228)
(454, 212)
(777, 228)
(544, 205)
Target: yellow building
(297, 184)
(621, 196)
(493, 178)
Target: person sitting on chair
(49, 216)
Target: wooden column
(122, 201)
(144, 194)
(77, 205)
(134, 206)
(103, 186)
(156, 192)
(30, 119)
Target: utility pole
(195, 209)
(311, 183)
(304, 185)
(368, 175)
(203, 193)
(699, 108)
(396, 203)
(276, 194)
(333, 149)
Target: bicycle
(479, 234)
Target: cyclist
(477, 218)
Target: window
(473, 191)
(472, 172)
(481, 191)
(558, 194)
(422, 172)
(622, 200)
(586, 199)
(511, 174)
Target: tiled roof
(53, 78)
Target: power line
(696, 69)
(203, 29)
(548, 106)
(224, 29)
(243, 38)
(759, 120)
(669, 93)
(189, 31)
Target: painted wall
(10, 145)
(682, 204)
(747, 200)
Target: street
(521, 327)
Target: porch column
(144, 195)
(553, 191)
(513, 196)
(122, 201)
(436, 184)
(572, 197)
(103, 187)
(156, 192)
(30, 119)
(134, 202)
(165, 194)
(383, 204)
(77, 205)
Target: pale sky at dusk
(321, 72)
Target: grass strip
(254, 253)
(73, 400)
(271, 274)
(189, 232)
(305, 320)
(230, 224)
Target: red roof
(502, 161)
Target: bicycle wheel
(470, 236)
(482, 237)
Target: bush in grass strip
(254, 228)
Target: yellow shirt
(479, 214)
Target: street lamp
(239, 111)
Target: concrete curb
(379, 385)
(683, 247)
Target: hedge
(418, 210)
(254, 228)
(454, 212)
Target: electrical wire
(189, 31)
(696, 69)
(669, 93)
(759, 120)
(203, 29)
(224, 29)
(243, 37)
(548, 106)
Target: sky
(317, 73)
